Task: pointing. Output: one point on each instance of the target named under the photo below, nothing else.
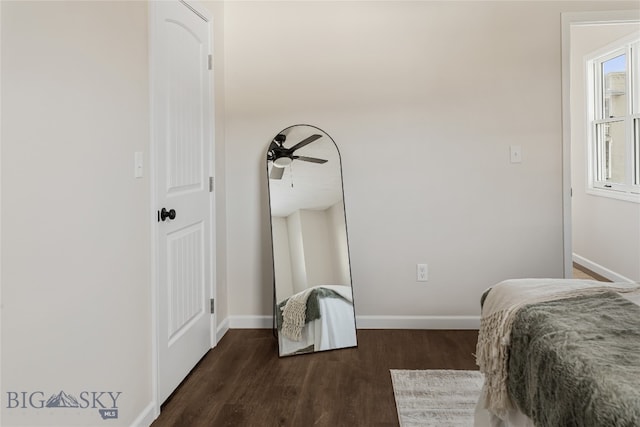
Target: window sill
(614, 194)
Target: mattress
(561, 348)
(332, 325)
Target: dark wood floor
(242, 382)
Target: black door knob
(164, 214)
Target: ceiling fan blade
(273, 146)
(304, 142)
(276, 172)
(310, 159)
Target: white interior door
(182, 143)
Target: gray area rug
(436, 397)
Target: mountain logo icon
(62, 400)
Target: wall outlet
(422, 272)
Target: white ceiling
(306, 185)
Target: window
(614, 121)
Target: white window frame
(629, 189)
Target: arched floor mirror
(313, 295)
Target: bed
(559, 352)
(328, 321)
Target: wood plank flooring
(243, 382)
(581, 272)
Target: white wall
(318, 243)
(76, 312)
(606, 232)
(310, 250)
(296, 249)
(423, 99)
(282, 258)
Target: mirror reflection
(313, 293)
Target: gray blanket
(313, 305)
(576, 362)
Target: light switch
(138, 165)
(516, 153)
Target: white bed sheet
(485, 418)
(336, 328)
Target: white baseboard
(250, 322)
(418, 322)
(222, 329)
(597, 268)
(146, 417)
(374, 322)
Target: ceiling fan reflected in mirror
(283, 157)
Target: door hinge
(211, 184)
(210, 62)
(212, 307)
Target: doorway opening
(601, 234)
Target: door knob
(164, 214)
